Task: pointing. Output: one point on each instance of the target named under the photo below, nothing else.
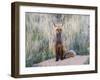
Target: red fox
(58, 43)
(60, 51)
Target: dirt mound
(76, 60)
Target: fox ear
(54, 25)
(62, 25)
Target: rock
(70, 53)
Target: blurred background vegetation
(40, 33)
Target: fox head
(58, 28)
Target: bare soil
(76, 60)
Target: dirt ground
(76, 60)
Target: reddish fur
(59, 51)
(59, 48)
